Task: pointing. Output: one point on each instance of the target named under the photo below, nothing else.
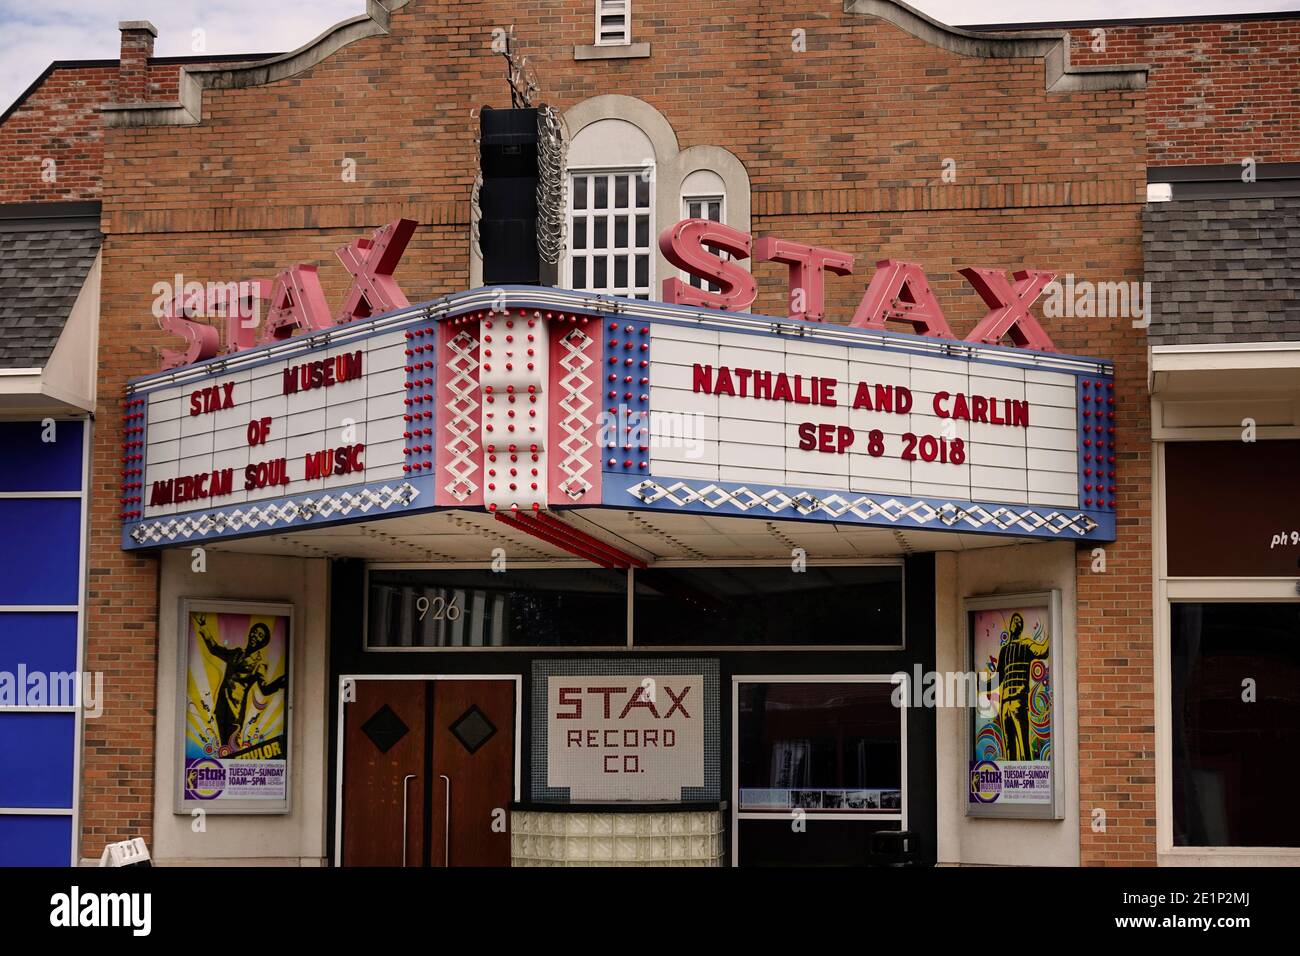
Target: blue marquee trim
(807, 504)
(140, 534)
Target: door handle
(406, 789)
(446, 824)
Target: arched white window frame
(702, 192)
(672, 166)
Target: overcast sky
(35, 32)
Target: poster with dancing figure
(1012, 767)
(235, 705)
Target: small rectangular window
(703, 207)
(613, 22)
(763, 607)
(770, 606)
(424, 608)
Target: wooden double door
(428, 771)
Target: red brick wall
(61, 121)
(844, 145)
(1217, 93)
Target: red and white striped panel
(513, 375)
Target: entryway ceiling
(650, 536)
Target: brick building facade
(860, 127)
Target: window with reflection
(820, 746)
(840, 606)
(541, 607)
(1236, 723)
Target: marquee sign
(277, 428)
(778, 425)
(527, 399)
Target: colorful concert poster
(1012, 737)
(236, 700)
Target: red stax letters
(371, 263)
(297, 302)
(214, 398)
(1009, 307)
(808, 265)
(242, 304)
(899, 291)
(294, 299)
(201, 340)
(683, 246)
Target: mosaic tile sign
(625, 731)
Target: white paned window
(611, 233)
(613, 22)
(703, 207)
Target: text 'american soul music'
(342, 460)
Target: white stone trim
(1204, 391)
(1052, 46)
(611, 51)
(188, 109)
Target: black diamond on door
(473, 729)
(384, 728)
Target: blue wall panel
(35, 841)
(40, 550)
(41, 541)
(30, 464)
(36, 752)
(43, 640)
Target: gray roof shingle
(42, 267)
(1223, 270)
